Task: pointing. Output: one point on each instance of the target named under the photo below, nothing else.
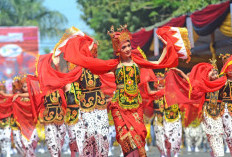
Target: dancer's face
(160, 86)
(229, 71)
(24, 87)
(125, 51)
(213, 75)
(17, 87)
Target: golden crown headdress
(119, 37)
(224, 56)
(160, 79)
(23, 78)
(213, 62)
(16, 78)
(159, 74)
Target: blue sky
(70, 9)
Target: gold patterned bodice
(128, 95)
(72, 98)
(91, 95)
(226, 92)
(213, 106)
(172, 113)
(13, 123)
(4, 122)
(159, 105)
(159, 109)
(53, 111)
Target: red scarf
(6, 107)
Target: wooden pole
(212, 46)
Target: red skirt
(130, 129)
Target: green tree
(31, 13)
(47, 50)
(101, 14)
(189, 6)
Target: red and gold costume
(158, 125)
(127, 110)
(193, 92)
(52, 116)
(93, 126)
(212, 122)
(226, 95)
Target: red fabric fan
(23, 115)
(77, 52)
(191, 95)
(51, 79)
(178, 90)
(6, 106)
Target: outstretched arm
(4, 94)
(21, 95)
(181, 73)
(56, 61)
(163, 53)
(149, 90)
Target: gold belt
(90, 90)
(209, 100)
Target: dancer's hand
(176, 69)
(15, 97)
(56, 60)
(91, 46)
(181, 73)
(162, 39)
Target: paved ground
(153, 152)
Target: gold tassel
(142, 53)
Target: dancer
(158, 115)
(212, 120)
(26, 136)
(93, 124)
(126, 105)
(92, 113)
(29, 145)
(203, 79)
(17, 137)
(72, 94)
(227, 100)
(52, 115)
(173, 125)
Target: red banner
(18, 50)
